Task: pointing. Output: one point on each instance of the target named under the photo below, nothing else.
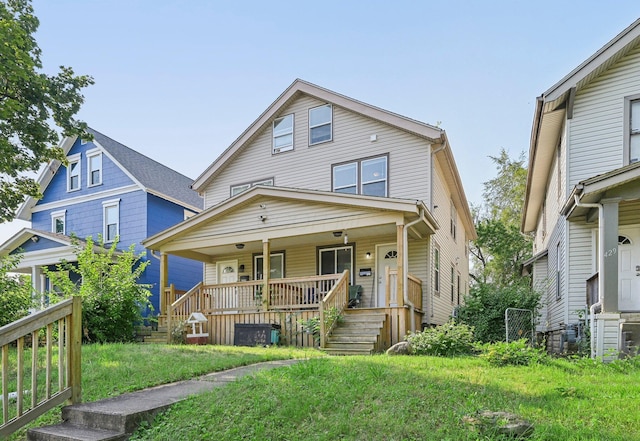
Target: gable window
(94, 166)
(111, 220)
(454, 221)
(334, 260)
(283, 134)
(58, 221)
(436, 270)
(276, 266)
(320, 124)
(73, 173)
(366, 176)
(240, 188)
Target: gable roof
(299, 87)
(550, 111)
(149, 175)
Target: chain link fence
(519, 324)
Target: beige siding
(581, 266)
(541, 285)
(310, 166)
(597, 129)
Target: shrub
(15, 292)
(312, 325)
(485, 305)
(515, 353)
(445, 340)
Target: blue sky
(180, 80)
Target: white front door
(386, 255)
(629, 269)
(227, 273)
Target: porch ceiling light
(337, 233)
(239, 246)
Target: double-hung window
(73, 173)
(58, 221)
(111, 220)
(320, 124)
(367, 177)
(634, 131)
(94, 168)
(453, 283)
(283, 134)
(241, 188)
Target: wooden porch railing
(332, 306)
(15, 372)
(414, 290)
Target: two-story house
(582, 200)
(108, 190)
(322, 183)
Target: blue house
(110, 190)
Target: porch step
(355, 334)
(159, 336)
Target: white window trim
(57, 215)
(92, 154)
(437, 280)
(359, 182)
(454, 221)
(261, 256)
(291, 132)
(109, 204)
(247, 185)
(73, 159)
(330, 123)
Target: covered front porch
(612, 202)
(322, 246)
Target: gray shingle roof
(155, 177)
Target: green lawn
(367, 398)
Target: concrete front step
(347, 351)
(71, 432)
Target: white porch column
(266, 272)
(37, 284)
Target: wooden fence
(32, 377)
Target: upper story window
(320, 124)
(73, 173)
(634, 131)
(283, 134)
(94, 168)
(58, 221)
(367, 177)
(454, 221)
(111, 220)
(240, 188)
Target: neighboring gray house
(583, 200)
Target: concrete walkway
(116, 418)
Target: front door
(227, 273)
(629, 269)
(386, 255)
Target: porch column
(266, 272)
(400, 263)
(164, 278)
(609, 249)
(37, 285)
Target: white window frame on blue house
(59, 216)
(110, 218)
(94, 167)
(74, 170)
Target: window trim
(453, 282)
(437, 256)
(250, 184)
(74, 159)
(323, 248)
(291, 132)
(61, 214)
(626, 142)
(558, 270)
(106, 205)
(358, 169)
(256, 256)
(94, 154)
(454, 221)
(330, 124)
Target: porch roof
(290, 216)
(622, 183)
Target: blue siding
(42, 244)
(112, 177)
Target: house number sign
(610, 253)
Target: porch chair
(355, 295)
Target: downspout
(598, 304)
(405, 264)
(432, 208)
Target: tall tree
(32, 104)
(500, 248)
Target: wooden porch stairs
(358, 333)
(148, 335)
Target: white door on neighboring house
(227, 273)
(386, 255)
(629, 269)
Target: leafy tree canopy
(32, 104)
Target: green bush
(485, 305)
(445, 340)
(515, 353)
(15, 291)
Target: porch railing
(414, 289)
(332, 306)
(22, 373)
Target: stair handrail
(173, 308)
(337, 297)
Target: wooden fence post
(75, 351)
